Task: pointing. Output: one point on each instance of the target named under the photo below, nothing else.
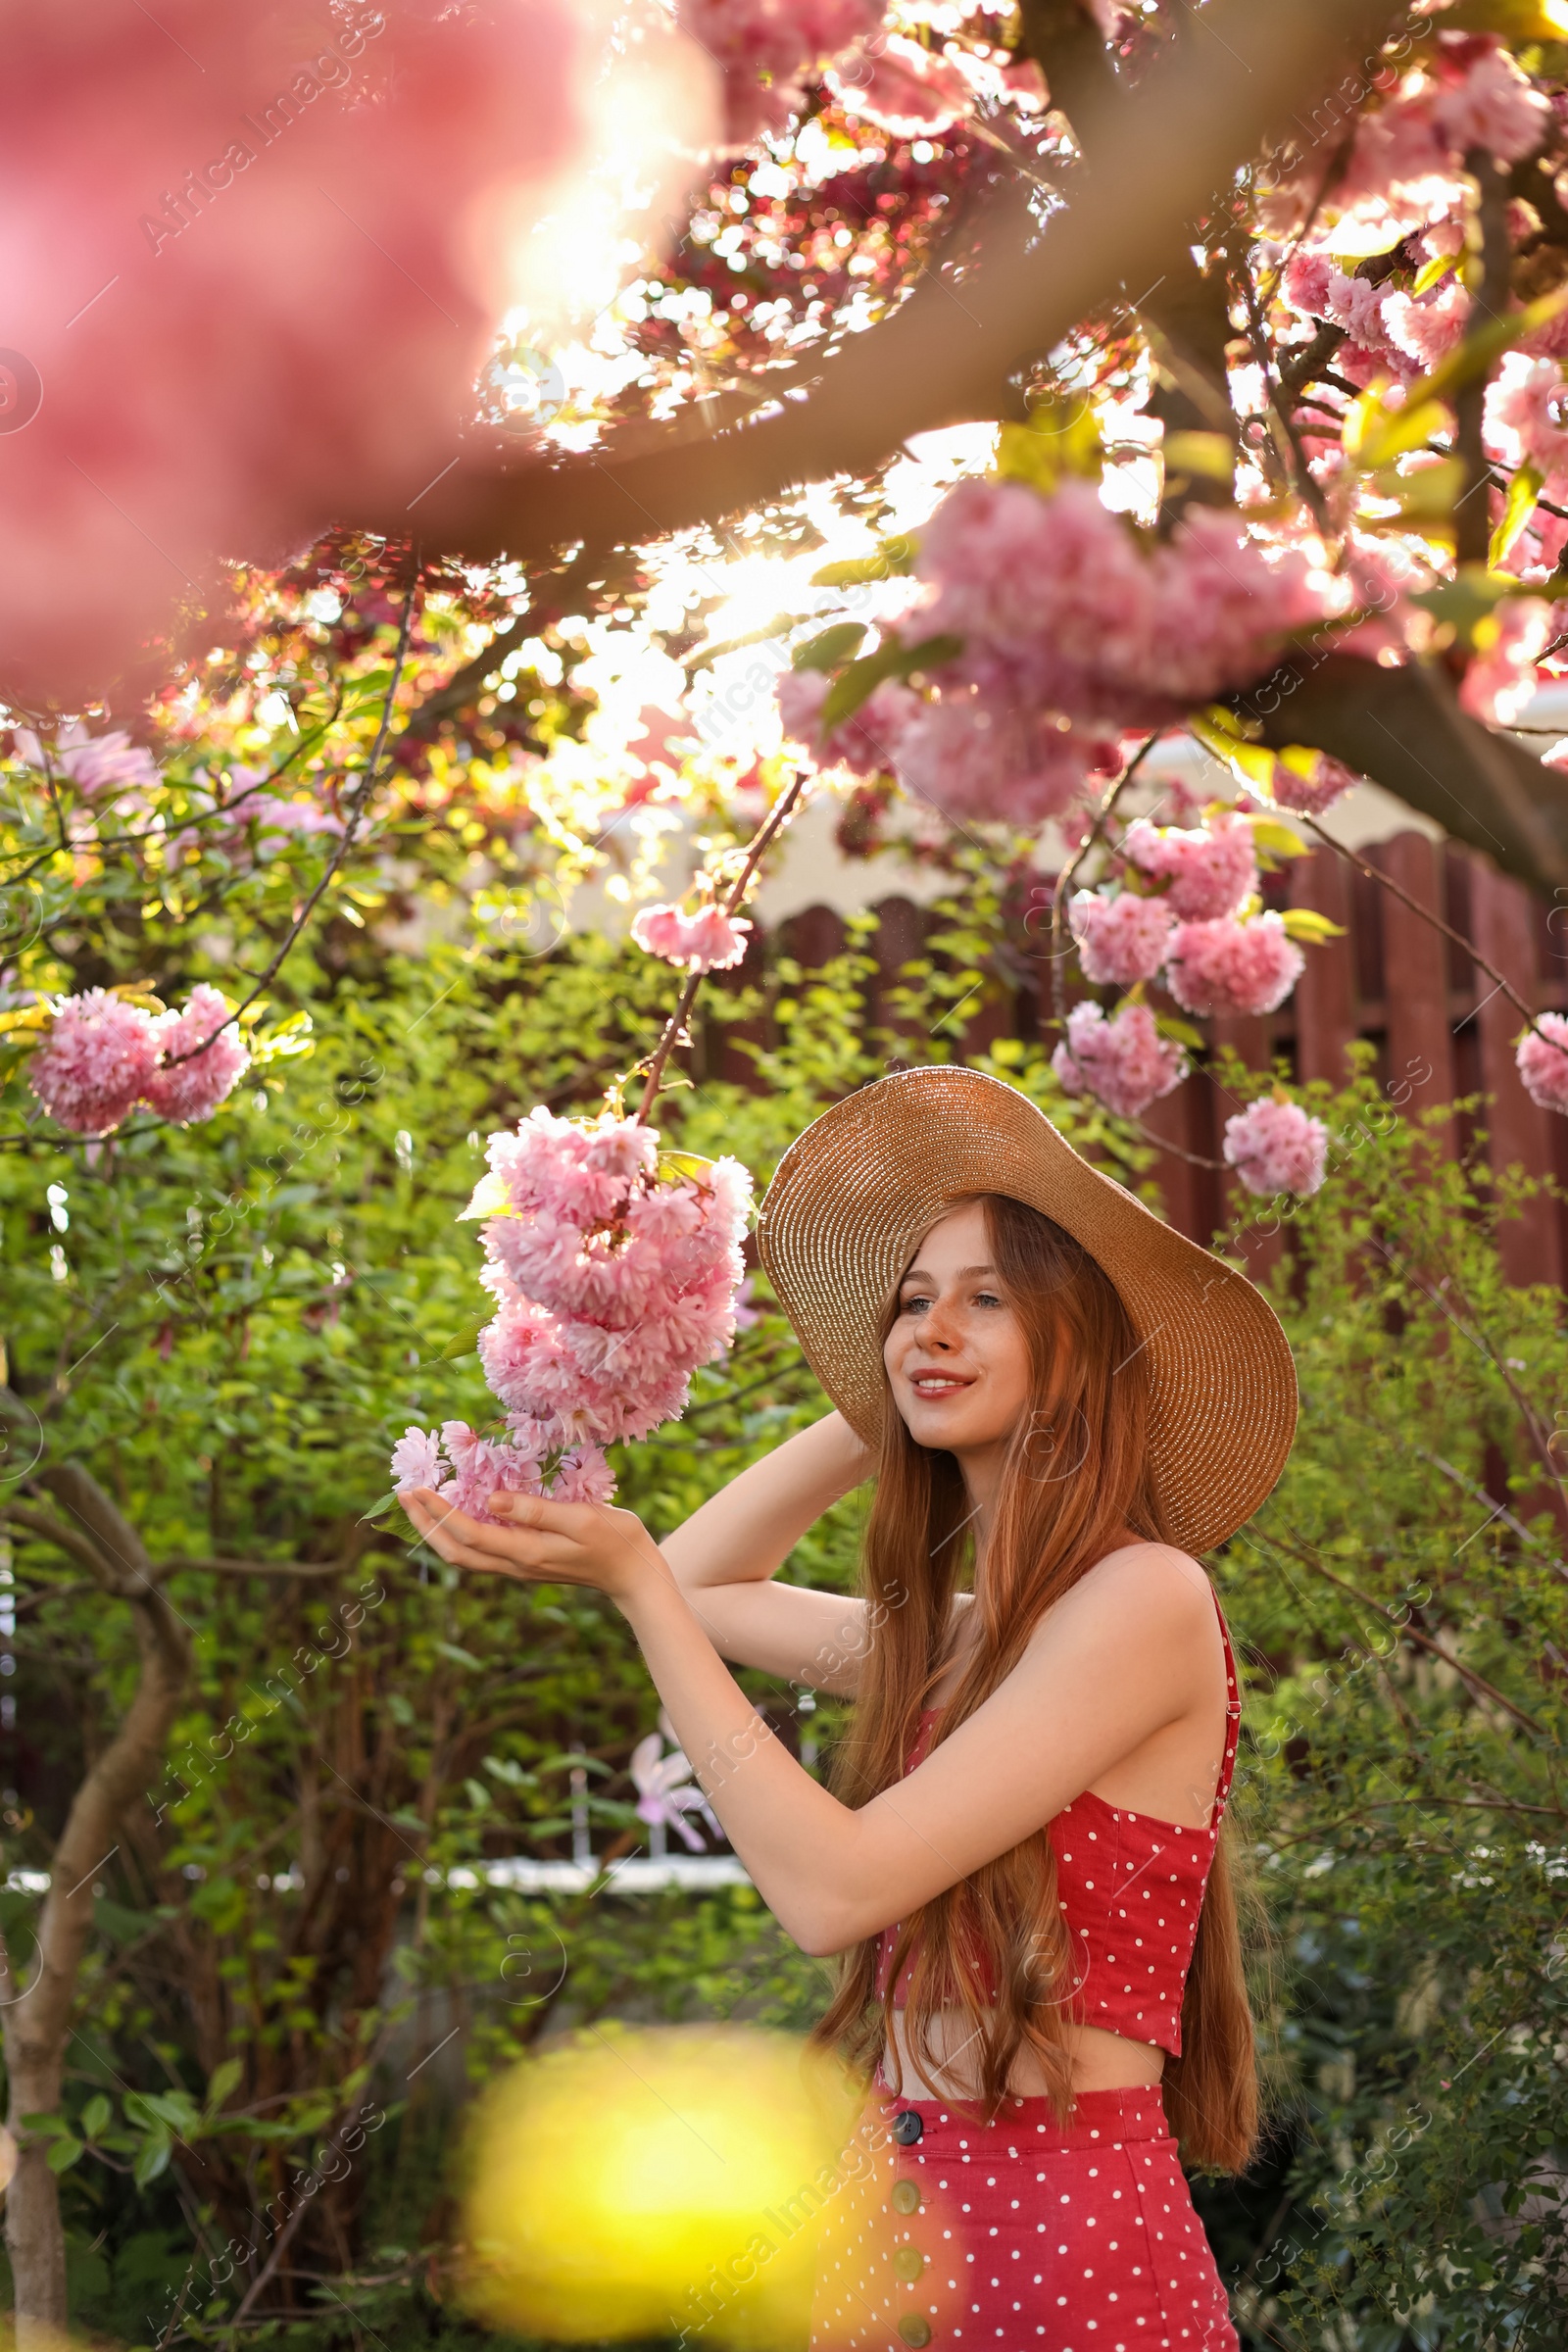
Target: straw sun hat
(856, 1193)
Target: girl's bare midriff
(1101, 2061)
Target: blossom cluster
(1277, 1146)
(614, 1277)
(767, 50)
(103, 1053)
(1072, 633)
(1185, 908)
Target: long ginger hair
(995, 1947)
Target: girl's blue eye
(987, 1299)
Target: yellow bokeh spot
(645, 2182)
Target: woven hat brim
(857, 1191)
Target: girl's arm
(726, 1554)
(1131, 1651)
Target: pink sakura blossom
(1222, 608)
(96, 1062)
(1527, 419)
(1054, 596)
(1123, 1062)
(1276, 1146)
(1494, 106)
(1396, 333)
(970, 754)
(1542, 1056)
(612, 1284)
(1501, 679)
(193, 1088)
(1211, 870)
(92, 763)
(867, 744)
(1056, 584)
(708, 940)
(1231, 966)
(1309, 278)
(1121, 939)
(901, 86)
(665, 1792)
(1426, 327)
(1309, 796)
(417, 1461)
(764, 48)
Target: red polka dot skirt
(1019, 2234)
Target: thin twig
(768, 829)
(358, 800)
(1478, 1683)
(1095, 835)
(1193, 1160)
(1387, 882)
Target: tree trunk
(37, 2013)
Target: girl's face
(956, 1359)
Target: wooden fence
(1441, 1027)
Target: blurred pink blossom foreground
(614, 1277)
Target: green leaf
(893, 557)
(462, 1343)
(152, 2158)
(1305, 922)
(1181, 1032)
(855, 685)
(1213, 455)
(828, 650)
(291, 1037)
(459, 1657)
(1061, 438)
(63, 2153)
(1517, 509)
(489, 1199)
(222, 2081)
(1271, 835)
(1469, 598)
(95, 2117)
(1373, 434)
(1515, 20)
(1432, 273)
(25, 1017)
(690, 1165)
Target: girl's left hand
(543, 1542)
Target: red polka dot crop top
(1130, 1887)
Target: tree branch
(37, 2019)
(1472, 519)
(123, 1566)
(62, 1536)
(301, 1571)
(1405, 730)
(1160, 151)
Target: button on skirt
(1023, 2232)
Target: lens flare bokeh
(654, 2180)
